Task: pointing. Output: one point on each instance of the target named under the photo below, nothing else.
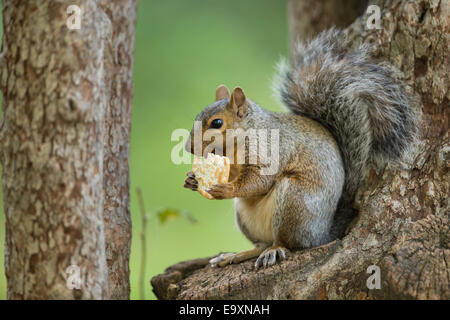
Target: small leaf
(165, 215)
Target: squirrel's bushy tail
(369, 113)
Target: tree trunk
(118, 64)
(403, 225)
(64, 139)
(308, 18)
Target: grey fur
(369, 113)
(302, 217)
(323, 203)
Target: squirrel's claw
(191, 182)
(269, 257)
(222, 259)
(190, 174)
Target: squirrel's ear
(222, 92)
(238, 102)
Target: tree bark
(119, 60)
(403, 222)
(308, 18)
(64, 139)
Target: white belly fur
(256, 215)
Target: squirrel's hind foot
(224, 259)
(269, 256)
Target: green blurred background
(184, 50)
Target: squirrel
(346, 112)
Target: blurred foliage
(165, 215)
(184, 50)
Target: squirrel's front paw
(222, 191)
(191, 182)
(269, 256)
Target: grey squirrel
(346, 112)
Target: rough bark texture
(307, 18)
(403, 225)
(64, 140)
(119, 60)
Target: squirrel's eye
(216, 123)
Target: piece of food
(209, 171)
